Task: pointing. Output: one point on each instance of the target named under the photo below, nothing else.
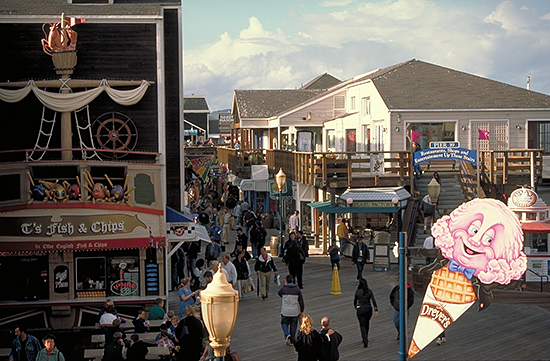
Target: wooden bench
(145, 337)
(154, 353)
(4, 353)
(441, 163)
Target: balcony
(325, 169)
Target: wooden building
(92, 157)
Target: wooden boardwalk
(501, 332)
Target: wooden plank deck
(501, 332)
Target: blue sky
(259, 44)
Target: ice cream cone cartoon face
(484, 239)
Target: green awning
(326, 207)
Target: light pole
(219, 306)
(280, 179)
(402, 297)
(434, 189)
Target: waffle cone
(451, 287)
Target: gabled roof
(269, 103)
(194, 103)
(55, 7)
(323, 81)
(419, 85)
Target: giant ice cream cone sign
(480, 248)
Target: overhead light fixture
(463, 127)
(518, 127)
(397, 129)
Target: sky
(264, 44)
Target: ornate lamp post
(219, 306)
(280, 179)
(434, 189)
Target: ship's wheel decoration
(117, 132)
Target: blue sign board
(444, 144)
(426, 155)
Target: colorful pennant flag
(482, 134)
(415, 135)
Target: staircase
(451, 196)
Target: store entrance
(28, 278)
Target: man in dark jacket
(360, 256)
(329, 348)
(137, 350)
(25, 346)
(394, 300)
(295, 259)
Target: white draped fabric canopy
(68, 102)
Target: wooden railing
(335, 170)
(510, 162)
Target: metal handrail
(541, 278)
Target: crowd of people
(183, 331)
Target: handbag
(249, 285)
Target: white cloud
(505, 45)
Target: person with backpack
(249, 218)
(215, 231)
(394, 301)
(213, 250)
(255, 238)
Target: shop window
(351, 140)
(539, 243)
(365, 105)
(432, 132)
(331, 139)
(145, 191)
(123, 276)
(11, 184)
(90, 277)
(339, 102)
(25, 278)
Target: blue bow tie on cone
(468, 272)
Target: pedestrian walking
(360, 256)
(308, 341)
(428, 210)
(294, 222)
(364, 302)
(213, 250)
(295, 258)
(343, 234)
(225, 218)
(292, 306)
(329, 348)
(25, 346)
(395, 302)
(50, 351)
(263, 267)
(334, 253)
(241, 266)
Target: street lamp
(280, 179)
(219, 306)
(434, 189)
